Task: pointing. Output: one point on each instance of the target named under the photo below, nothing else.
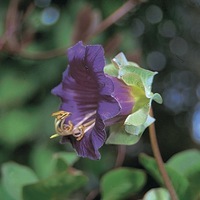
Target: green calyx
(140, 80)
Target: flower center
(78, 130)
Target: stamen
(82, 132)
(83, 129)
(68, 127)
(85, 118)
(59, 122)
(61, 114)
(78, 131)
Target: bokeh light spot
(156, 60)
(196, 124)
(138, 27)
(154, 14)
(50, 15)
(173, 99)
(167, 29)
(178, 46)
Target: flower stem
(159, 160)
(120, 155)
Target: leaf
(118, 135)
(17, 126)
(46, 162)
(127, 134)
(122, 183)
(138, 130)
(145, 75)
(42, 161)
(139, 117)
(15, 89)
(58, 187)
(120, 60)
(179, 182)
(157, 194)
(134, 80)
(14, 177)
(64, 160)
(157, 98)
(187, 163)
(111, 70)
(4, 194)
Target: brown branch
(159, 160)
(121, 153)
(113, 18)
(93, 194)
(8, 39)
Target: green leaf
(138, 130)
(139, 117)
(157, 194)
(127, 134)
(42, 161)
(46, 162)
(120, 60)
(17, 126)
(145, 75)
(111, 70)
(15, 89)
(4, 194)
(64, 160)
(179, 182)
(134, 80)
(118, 135)
(157, 98)
(187, 163)
(58, 187)
(122, 183)
(14, 177)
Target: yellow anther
(82, 132)
(61, 114)
(68, 127)
(64, 128)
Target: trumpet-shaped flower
(94, 96)
(88, 101)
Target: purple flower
(89, 100)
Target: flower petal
(91, 142)
(85, 89)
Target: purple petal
(86, 89)
(121, 93)
(91, 142)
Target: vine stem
(110, 20)
(121, 153)
(159, 160)
(114, 17)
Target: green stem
(159, 160)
